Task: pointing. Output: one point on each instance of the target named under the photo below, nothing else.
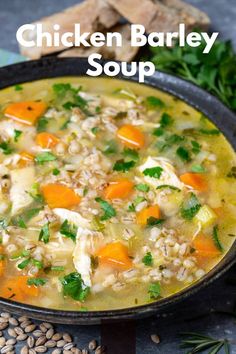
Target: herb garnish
(142, 187)
(216, 240)
(45, 157)
(24, 263)
(154, 290)
(148, 259)
(110, 148)
(44, 234)
(36, 281)
(166, 120)
(183, 153)
(122, 165)
(68, 230)
(152, 221)
(17, 134)
(163, 186)
(153, 102)
(199, 342)
(42, 124)
(154, 172)
(74, 286)
(130, 153)
(108, 209)
(6, 148)
(55, 172)
(18, 87)
(209, 131)
(198, 169)
(190, 207)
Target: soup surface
(112, 194)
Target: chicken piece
(161, 15)
(72, 217)
(168, 175)
(21, 183)
(92, 15)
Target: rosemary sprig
(198, 343)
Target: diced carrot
(119, 188)
(47, 140)
(204, 247)
(131, 136)
(17, 289)
(25, 159)
(26, 112)
(59, 196)
(1, 268)
(115, 254)
(145, 214)
(195, 180)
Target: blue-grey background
(196, 313)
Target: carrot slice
(47, 140)
(145, 214)
(115, 254)
(205, 246)
(59, 196)
(1, 268)
(25, 112)
(131, 136)
(119, 188)
(25, 159)
(17, 289)
(195, 180)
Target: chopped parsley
(45, 157)
(42, 124)
(24, 263)
(74, 287)
(154, 290)
(183, 154)
(68, 230)
(110, 147)
(198, 169)
(158, 132)
(142, 187)
(95, 130)
(130, 153)
(44, 234)
(122, 165)
(216, 238)
(55, 172)
(166, 120)
(37, 263)
(190, 207)
(153, 102)
(107, 208)
(18, 87)
(152, 221)
(209, 131)
(154, 172)
(17, 134)
(196, 147)
(6, 148)
(148, 259)
(36, 281)
(163, 186)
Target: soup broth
(112, 194)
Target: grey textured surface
(194, 314)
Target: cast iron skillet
(224, 119)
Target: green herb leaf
(166, 120)
(110, 147)
(37, 263)
(142, 187)
(45, 157)
(6, 148)
(163, 186)
(154, 290)
(152, 221)
(154, 172)
(190, 207)
(198, 169)
(74, 287)
(95, 130)
(68, 230)
(209, 131)
(196, 147)
(18, 87)
(44, 234)
(158, 132)
(24, 264)
(55, 172)
(36, 281)
(17, 134)
(130, 153)
(153, 102)
(148, 259)
(216, 238)
(122, 165)
(108, 209)
(42, 124)
(183, 153)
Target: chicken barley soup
(113, 194)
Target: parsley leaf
(24, 264)
(18, 87)
(154, 290)
(142, 187)
(68, 230)
(148, 259)
(154, 172)
(183, 153)
(158, 132)
(108, 209)
(17, 134)
(216, 238)
(163, 186)
(196, 147)
(209, 131)
(6, 148)
(152, 221)
(45, 157)
(166, 120)
(153, 102)
(110, 147)
(44, 234)
(36, 281)
(42, 124)
(122, 165)
(74, 286)
(190, 207)
(198, 169)
(130, 153)
(55, 172)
